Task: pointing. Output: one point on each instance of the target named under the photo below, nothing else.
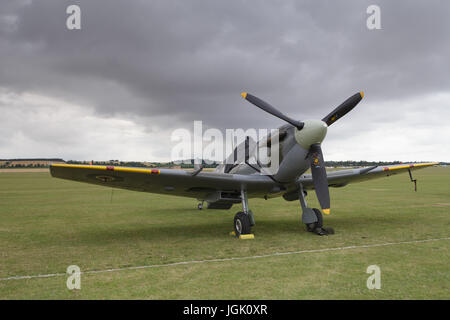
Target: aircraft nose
(314, 131)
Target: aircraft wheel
(318, 224)
(200, 206)
(317, 227)
(241, 224)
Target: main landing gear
(243, 220)
(312, 218)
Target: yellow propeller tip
(362, 94)
(244, 95)
(326, 211)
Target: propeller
(344, 108)
(268, 108)
(319, 174)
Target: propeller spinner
(316, 131)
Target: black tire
(200, 206)
(241, 224)
(318, 224)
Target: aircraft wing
(207, 184)
(341, 178)
(165, 181)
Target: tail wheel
(241, 224)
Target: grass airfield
(47, 224)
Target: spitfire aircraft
(236, 182)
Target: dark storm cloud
(189, 60)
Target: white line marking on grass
(227, 259)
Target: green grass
(48, 224)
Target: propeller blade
(268, 108)
(343, 108)
(319, 176)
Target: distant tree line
(29, 162)
(19, 165)
(360, 163)
(363, 163)
(110, 162)
(184, 164)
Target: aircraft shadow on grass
(219, 230)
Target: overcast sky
(137, 70)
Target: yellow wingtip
(362, 94)
(244, 95)
(326, 211)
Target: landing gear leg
(243, 220)
(312, 218)
(200, 205)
